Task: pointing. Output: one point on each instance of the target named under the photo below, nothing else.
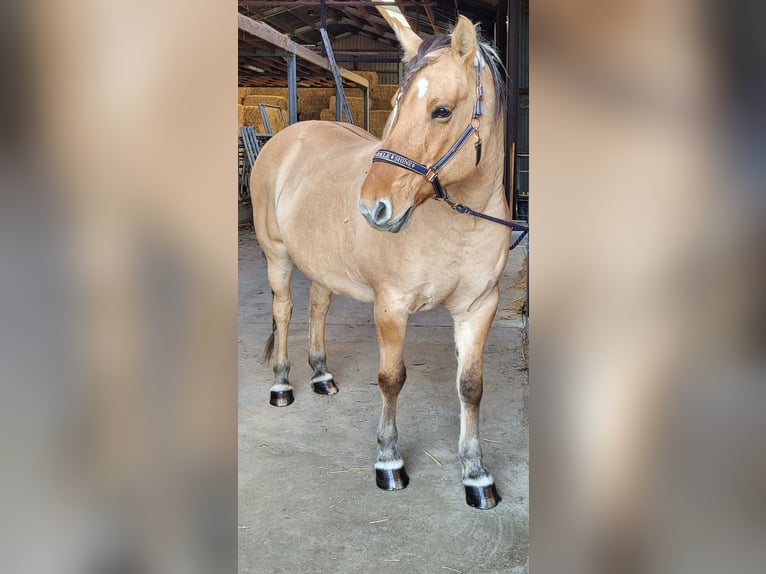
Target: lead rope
(460, 208)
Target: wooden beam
(432, 20)
(365, 14)
(400, 5)
(270, 35)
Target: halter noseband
(432, 173)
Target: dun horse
(357, 216)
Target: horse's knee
(471, 385)
(283, 301)
(392, 381)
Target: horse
(356, 215)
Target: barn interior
(285, 71)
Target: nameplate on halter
(391, 157)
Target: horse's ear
(408, 39)
(464, 41)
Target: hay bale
(378, 119)
(277, 121)
(381, 96)
(371, 76)
(255, 99)
(327, 115)
(307, 115)
(313, 103)
(324, 92)
(242, 93)
(275, 118)
(353, 102)
(251, 116)
(355, 106)
(282, 92)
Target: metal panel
(524, 52)
(522, 141)
(522, 133)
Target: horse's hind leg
(471, 331)
(319, 303)
(280, 279)
(390, 324)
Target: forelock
(424, 55)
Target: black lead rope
(432, 173)
(460, 208)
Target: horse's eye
(441, 113)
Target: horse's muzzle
(379, 216)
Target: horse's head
(434, 106)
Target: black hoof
(395, 479)
(482, 497)
(281, 398)
(324, 387)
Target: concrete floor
(307, 496)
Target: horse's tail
(268, 350)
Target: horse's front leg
(390, 324)
(471, 329)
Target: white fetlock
(322, 378)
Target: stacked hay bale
(370, 76)
(243, 93)
(382, 95)
(311, 102)
(250, 114)
(355, 106)
(380, 104)
(317, 103)
(378, 119)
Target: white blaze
(422, 87)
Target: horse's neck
(480, 190)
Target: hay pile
(378, 119)
(381, 95)
(255, 99)
(317, 103)
(355, 104)
(251, 116)
(243, 93)
(311, 101)
(370, 76)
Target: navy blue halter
(432, 173)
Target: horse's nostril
(382, 212)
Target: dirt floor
(307, 496)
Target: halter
(432, 173)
